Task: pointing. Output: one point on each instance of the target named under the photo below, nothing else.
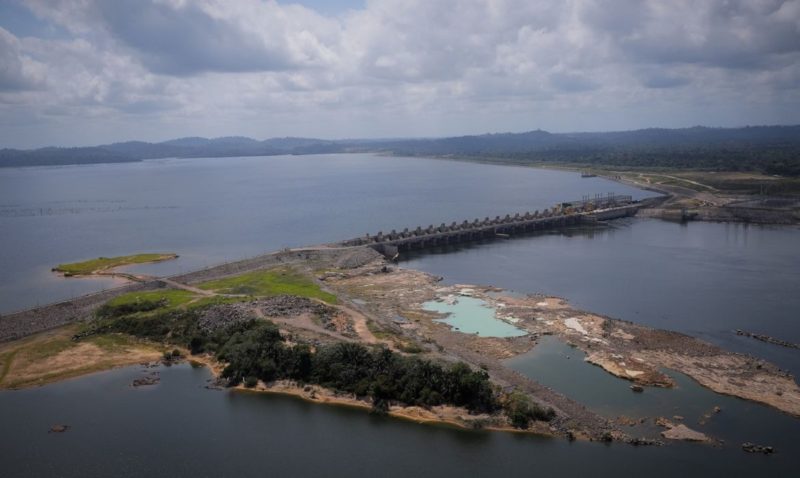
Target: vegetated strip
(270, 282)
(101, 264)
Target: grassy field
(172, 298)
(101, 264)
(268, 283)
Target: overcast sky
(82, 72)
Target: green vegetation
(255, 350)
(268, 283)
(521, 411)
(104, 263)
(146, 301)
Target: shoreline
(378, 294)
(447, 415)
(728, 212)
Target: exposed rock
(357, 258)
(58, 428)
(150, 379)
(682, 432)
(644, 442)
(753, 448)
(290, 305)
(637, 388)
(221, 316)
(768, 339)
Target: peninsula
(343, 324)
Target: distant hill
(771, 149)
(60, 156)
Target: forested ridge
(766, 149)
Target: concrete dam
(588, 210)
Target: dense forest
(766, 149)
(255, 350)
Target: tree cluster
(255, 350)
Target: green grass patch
(105, 263)
(169, 298)
(269, 283)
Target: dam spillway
(573, 213)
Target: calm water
(704, 279)
(561, 367)
(473, 316)
(178, 428)
(214, 210)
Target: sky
(84, 72)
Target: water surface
(215, 210)
(703, 279)
(179, 428)
(470, 315)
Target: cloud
(400, 67)
(182, 38)
(17, 71)
(735, 34)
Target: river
(702, 279)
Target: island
(107, 265)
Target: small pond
(471, 315)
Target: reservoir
(210, 211)
(702, 279)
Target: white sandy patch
(575, 324)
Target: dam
(588, 210)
